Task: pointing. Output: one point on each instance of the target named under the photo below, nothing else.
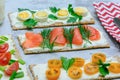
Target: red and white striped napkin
(106, 12)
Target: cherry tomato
(4, 47)
(5, 58)
(13, 67)
(53, 74)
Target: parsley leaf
(53, 17)
(68, 33)
(103, 68)
(71, 11)
(29, 23)
(54, 9)
(21, 9)
(67, 63)
(72, 20)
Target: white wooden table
(13, 5)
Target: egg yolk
(62, 13)
(23, 15)
(79, 11)
(41, 14)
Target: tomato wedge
(5, 58)
(4, 47)
(13, 67)
(94, 33)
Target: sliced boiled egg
(81, 11)
(41, 16)
(63, 14)
(24, 15)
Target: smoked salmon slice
(32, 40)
(77, 37)
(57, 36)
(94, 33)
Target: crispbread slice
(102, 43)
(41, 75)
(16, 56)
(13, 17)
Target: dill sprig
(68, 33)
(46, 40)
(85, 34)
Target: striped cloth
(106, 12)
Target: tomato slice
(54, 63)
(13, 67)
(53, 74)
(5, 58)
(4, 47)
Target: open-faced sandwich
(62, 39)
(51, 17)
(12, 67)
(99, 67)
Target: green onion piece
(12, 51)
(13, 75)
(4, 38)
(12, 61)
(2, 42)
(2, 68)
(19, 75)
(1, 76)
(21, 61)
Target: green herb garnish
(12, 51)
(19, 75)
(68, 33)
(45, 33)
(1, 76)
(21, 9)
(46, 42)
(67, 63)
(2, 42)
(85, 34)
(53, 17)
(103, 68)
(13, 75)
(54, 9)
(16, 75)
(4, 38)
(72, 20)
(30, 23)
(12, 61)
(75, 17)
(2, 68)
(21, 61)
